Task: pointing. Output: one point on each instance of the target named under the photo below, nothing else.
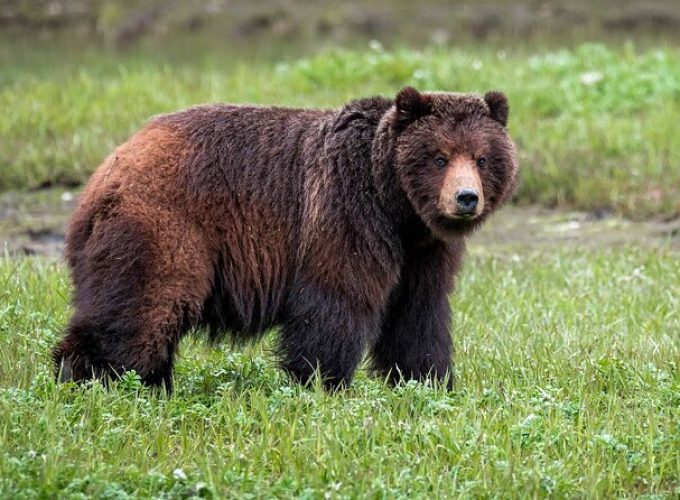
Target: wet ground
(524, 227)
(34, 223)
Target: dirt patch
(34, 223)
(524, 227)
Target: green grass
(568, 386)
(596, 126)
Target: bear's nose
(466, 201)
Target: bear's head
(454, 158)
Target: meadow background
(566, 318)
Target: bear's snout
(462, 194)
(466, 201)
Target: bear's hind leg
(96, 349)
(138, 288)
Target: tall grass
(596, 126)
(568, 385)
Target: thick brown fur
(324, 223)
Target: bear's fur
(339, 227)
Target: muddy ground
(34, 223)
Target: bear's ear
(411, 105)
(498, 106)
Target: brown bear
(343, 228)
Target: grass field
(596, 127)
(568, 385)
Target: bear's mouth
(453, 217)
(454, 223)
(463, 216)
(456, 213)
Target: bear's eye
(481, 162)
(441, 161)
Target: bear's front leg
(415, 342)
(325, 334)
